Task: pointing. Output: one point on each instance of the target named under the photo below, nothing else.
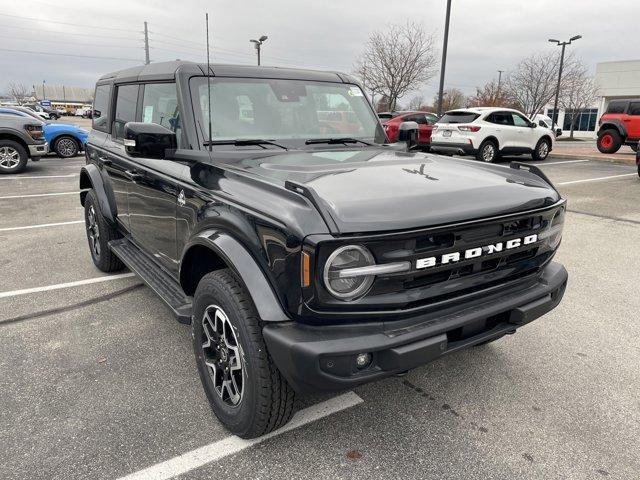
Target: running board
(155, 277)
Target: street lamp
(444, 56)
(258, 43)
(563, 44)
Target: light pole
(258, 43)
(555, 103)
(44, 95)
(444, 56)
(499, 81)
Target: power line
(110, 45)
(39, 30)
(70, 55)
(33, 19)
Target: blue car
(64, 139)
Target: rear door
(632, 121)
(502, 128)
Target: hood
(382, 190)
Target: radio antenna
(208, 83)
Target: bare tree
(19, 92)
(397, 61)
(490, 95)
(578, 92)
(416, 103)
(532, 84)
(452, 98)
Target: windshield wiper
(332, 141)
(245, 142)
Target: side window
(101, 108)
(519, 120)
(126, 102)
(634, 108)
(501, 118)
(160, 105)
(616, 107)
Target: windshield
(284, 110)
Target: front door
(632, 121)
(525, 135)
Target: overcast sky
(485, 35)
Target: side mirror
(533, 125)
(148, 140)
(558, 132)
(408, 132)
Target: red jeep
(619, 125)
(425, 121)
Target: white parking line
(10, 229)
(597, 179)
(231, 445)
(39, 195)
(108, 278)
(38, 176)
(542, 164)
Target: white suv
(489, 132)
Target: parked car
(21, 138)
(305, 261)
(425, 121)
(488, 132)
(45, 112)
(619, 125)
(546, 122)
(64, 139)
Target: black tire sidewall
(107, 262)
(481, 149)
(55, 147)
(24, 156)
(617, 141)
(239, 418)
(535, 154)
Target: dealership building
(615, 80)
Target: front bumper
(322, 358)
(38, 150)
(454, 148)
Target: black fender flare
(614, 124)
(90, 178)
(245, 267)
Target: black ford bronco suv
(306, 253)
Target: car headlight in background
(350, 271)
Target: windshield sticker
(148, 114)
(355, 92)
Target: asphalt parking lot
(98, 381)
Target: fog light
(363, 360)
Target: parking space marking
(39, 176)
(58, 286)
(39, 195)
(597, 179)
(233, 444)
(557, 163)
(42, 225)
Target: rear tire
(99, 234)
(251, 400)
(609, 141)
(634, 147)
(488, 152)
(13, 157)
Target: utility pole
(258, 43)
(146, 44)
(499, 80)
(44, 95)
(555, 117)
(444, 56)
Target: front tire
(488, 152)
(542, 150)
(99, 234)
(609, 141)
(66, 147)
(13, 157)
(244, 387)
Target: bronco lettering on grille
(470, 253)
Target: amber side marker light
(306, 269)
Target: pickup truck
(306, 254)
(21, 138)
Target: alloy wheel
(66, 147)
(93, 232)
(222, 355)
(488, 152)
(606, 141)
(543, 150)
(9, 157)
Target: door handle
(104, 161)
(133, 175)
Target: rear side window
(126, 102)
(101, 108)
(458, 117)
(616, 107)
(500, 118)
(634, 108)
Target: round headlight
(337, 278)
